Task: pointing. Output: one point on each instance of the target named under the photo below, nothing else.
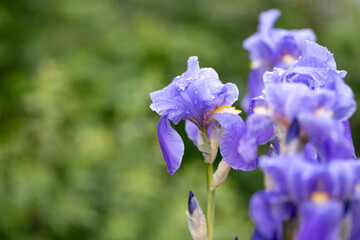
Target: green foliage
(79, 157)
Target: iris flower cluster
(299, 102)
(272, 47)
(312, 178)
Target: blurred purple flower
(200, 97)
(316, 68)
(271, 47)
(320, 192)
(316, 114)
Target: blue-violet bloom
(315, 114)
(272, 47)
(324, 195)
(200, 97)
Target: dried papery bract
(196, 219)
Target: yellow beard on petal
(263, 110)
(255, 64)
(226, 109)
(324, 112)
(288, 59)
(319, 197)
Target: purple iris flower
(314, 114)
(323, 195)
(200, 97)
(271, 47)
(316, 68)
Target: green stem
(210, 201)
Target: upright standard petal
(267, 20)
(171, 145)
(234, 129)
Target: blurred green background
(79, 157)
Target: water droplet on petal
(181, 86)
(196, 92)
(196, 101)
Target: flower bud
(197, 221)
(220, 175)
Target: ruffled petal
(320, 221)
(316, 56)
(171, 145)
(234, 129)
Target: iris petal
(171, 145)
(327, 135)
(268, 211)
(348, 136)
(260, 127)
(234, 129)
(191, 131)
(320, 221)
(355, 219)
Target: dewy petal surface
(171, 145)
(196, 93)
(234, 129)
